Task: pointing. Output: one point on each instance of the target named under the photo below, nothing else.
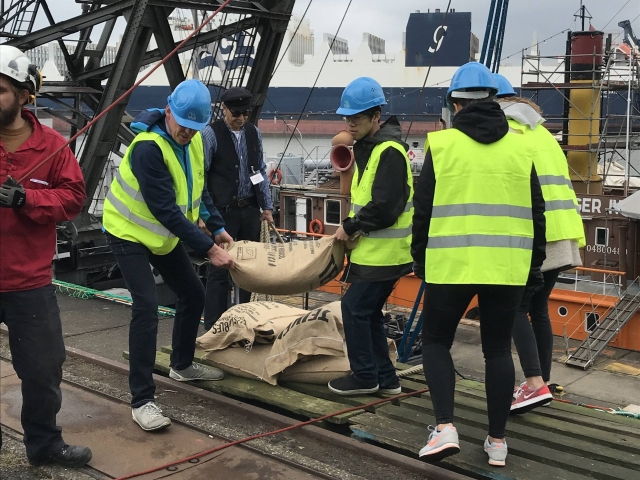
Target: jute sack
(244, 324)
(315, 333)
(286, 268)
(242, 363)
(322, 369)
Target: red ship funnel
(341, 158)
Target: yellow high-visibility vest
(126, 214)
(562, 212)
(389, 246)
(481, 229)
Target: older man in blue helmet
(153, 205)
(381, 210)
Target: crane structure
(494, 35)
(91, 84)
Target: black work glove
(535, 281)
(12, 194)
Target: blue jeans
(37, 349)
(180, 276)
(364, 331)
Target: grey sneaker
(149, 417)
(497, 452)
(196, 372)
(440, 444)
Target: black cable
(433, 56)
(621, 8)
(315, 82)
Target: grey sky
(387, 19)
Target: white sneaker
(149, 417)
(196, 372)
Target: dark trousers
(534, 339)
(37, 349)
(364, 332)
(242, 224)
(444, 306)
(180, 276)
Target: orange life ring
(278, 176)
(315, 226)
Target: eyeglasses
(237, 114)
(353, 119)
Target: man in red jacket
(28, 215)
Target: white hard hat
(16, 65)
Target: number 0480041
(602, 249)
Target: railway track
(234, 459)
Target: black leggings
(534, 339)
(444, 306)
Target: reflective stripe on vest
(486, 210)
(126, 214)
(389, 246)
(497, 241)
(481, 228)
(137, 195)
(562, 213)
(357, 208)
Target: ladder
(624, 309)
(17, 19)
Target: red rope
(261, 435)
(125, 94)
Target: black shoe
(350, 386)
(391, 388)
(68, 456)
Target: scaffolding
(612, 113)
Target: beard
(9, 115)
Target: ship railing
(611, 281)
(615, 288)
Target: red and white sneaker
(525, 398)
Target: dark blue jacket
(156, 184)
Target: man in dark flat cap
(238, 185)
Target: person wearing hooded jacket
(478, 229)
(152, 205)
(381, 210)
(564, 234)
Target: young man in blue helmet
(152, 205)
(565, 235)
(478, 229)
(381, 211)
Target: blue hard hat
(505, 89)
(360, 95)
(472, 80)
(190, 104)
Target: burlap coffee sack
(321, 369)
(286, 268)
(244, 324)
(315, 333)
(243, 363)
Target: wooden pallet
(245, 388)
(561, 441)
